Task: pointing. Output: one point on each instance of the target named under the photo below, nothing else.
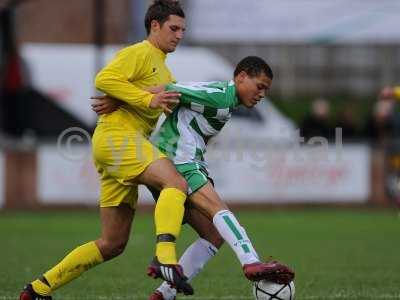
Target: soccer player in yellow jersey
(125, 158)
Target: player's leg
(126, 155)
(162, 175)
(116, 224)
(115, 230)
(204, 248)
(207, 200)
(117, 202)
(197, 254)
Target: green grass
(337, 254)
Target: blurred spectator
(390, 96)
(346, 121)
(390, 93)
(379, 126)
(317, 122)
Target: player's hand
(165, 100)
(104, 104)
(156, 89)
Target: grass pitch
(337, 254)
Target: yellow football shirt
(133, 69)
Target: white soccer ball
(267, 290)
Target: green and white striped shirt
(203, 110)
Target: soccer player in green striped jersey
(203, 110)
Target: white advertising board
(267, 21)
(2, 180)
(71, 178)
(67, 179)
(248, 175)
(302, 175)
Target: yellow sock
(41, 288)
(166, 253)
(74, 264)
(168, 217)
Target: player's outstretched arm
(202, 95)
(162, 99)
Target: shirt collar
(231, 85)
(156, 50)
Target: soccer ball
(267, 290)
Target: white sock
(192, 262)
(235, 235)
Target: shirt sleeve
(117, 77)
(200, 97)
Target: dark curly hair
(160, 11)
(253, 66)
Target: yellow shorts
(121, 153)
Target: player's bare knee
(182, 184)
(111, 249)
(177, 182)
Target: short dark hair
(160, 11)
(253, 66)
